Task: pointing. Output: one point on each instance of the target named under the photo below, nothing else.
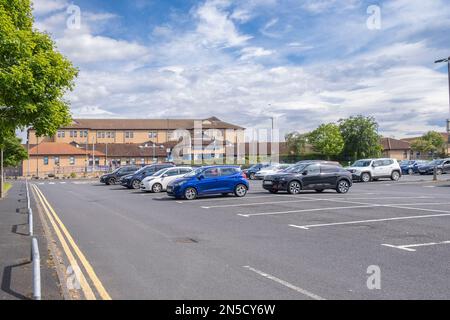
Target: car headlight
(179, 183)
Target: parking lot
(263, 246)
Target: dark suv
(133, 181)
(310, 176)
(113, 177)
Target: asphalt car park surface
(263, 246)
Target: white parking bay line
(409, 246)
(306, 199)
(306, 210)
(285, 283)
(306, 227)
(235, 198)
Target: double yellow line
(68, 243)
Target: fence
(35, 256)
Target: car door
(328, 176)
(209, 181)
(169, 176)
(446, 166)
(228, 179)
(379, 169)
(311, 177)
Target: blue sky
(302, 62)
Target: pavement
(382, 240)
(15, 246)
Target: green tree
(361, 139)
(34, 76)
(327, 140)
(430, 142)
(13, 151)
(296, 142)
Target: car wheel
(410, 172)
(240, 190)
(252, 176)
(365, 177)
(111, 181)
(190, 194)
(294, 187)
(439, 171)
(319, 190)
(343, 186)
(135, 184)
(395, 176)
(157, 187)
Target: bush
(73, 175)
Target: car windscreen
(406, 162)
(194, 173)
(159, 173)
(436, 162)
(362, 163)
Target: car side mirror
(165, 175)
(305, 173)
(201, 177)
(373, 165)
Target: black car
(114, 177)
(310, 176)
(133, 181)
(441, 165)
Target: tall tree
(361, 139)
(34, 76)
(430, 142)
(13, 151)
(327, 140)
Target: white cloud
(42, 7)
(216, 27)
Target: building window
(85, 133)
(72, 160)
(152, 134)
(142, 161)
(169, 134)
(45, 161)
(73, 133)
(133, 161)
(56, 159)
(61, 134)
(129, 134)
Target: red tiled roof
(148, 124)
(394, 144)
(56, 148)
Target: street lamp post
(447, 60)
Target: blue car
(209, 180)
(411, 166)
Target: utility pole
(447, 60)
(93, 155)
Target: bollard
(36, 260)
(30, 222)
(434, 174)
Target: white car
(272, 169)
(366, 170)
(159, 180)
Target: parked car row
(181, 182)
(189, 182)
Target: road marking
(228, 198)
(304, 210)
(285, 283)
(95, 280)
(409, 246)
(308, 199)
(89, 294)
(306, 227)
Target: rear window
(330, 169)
(229, 171)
